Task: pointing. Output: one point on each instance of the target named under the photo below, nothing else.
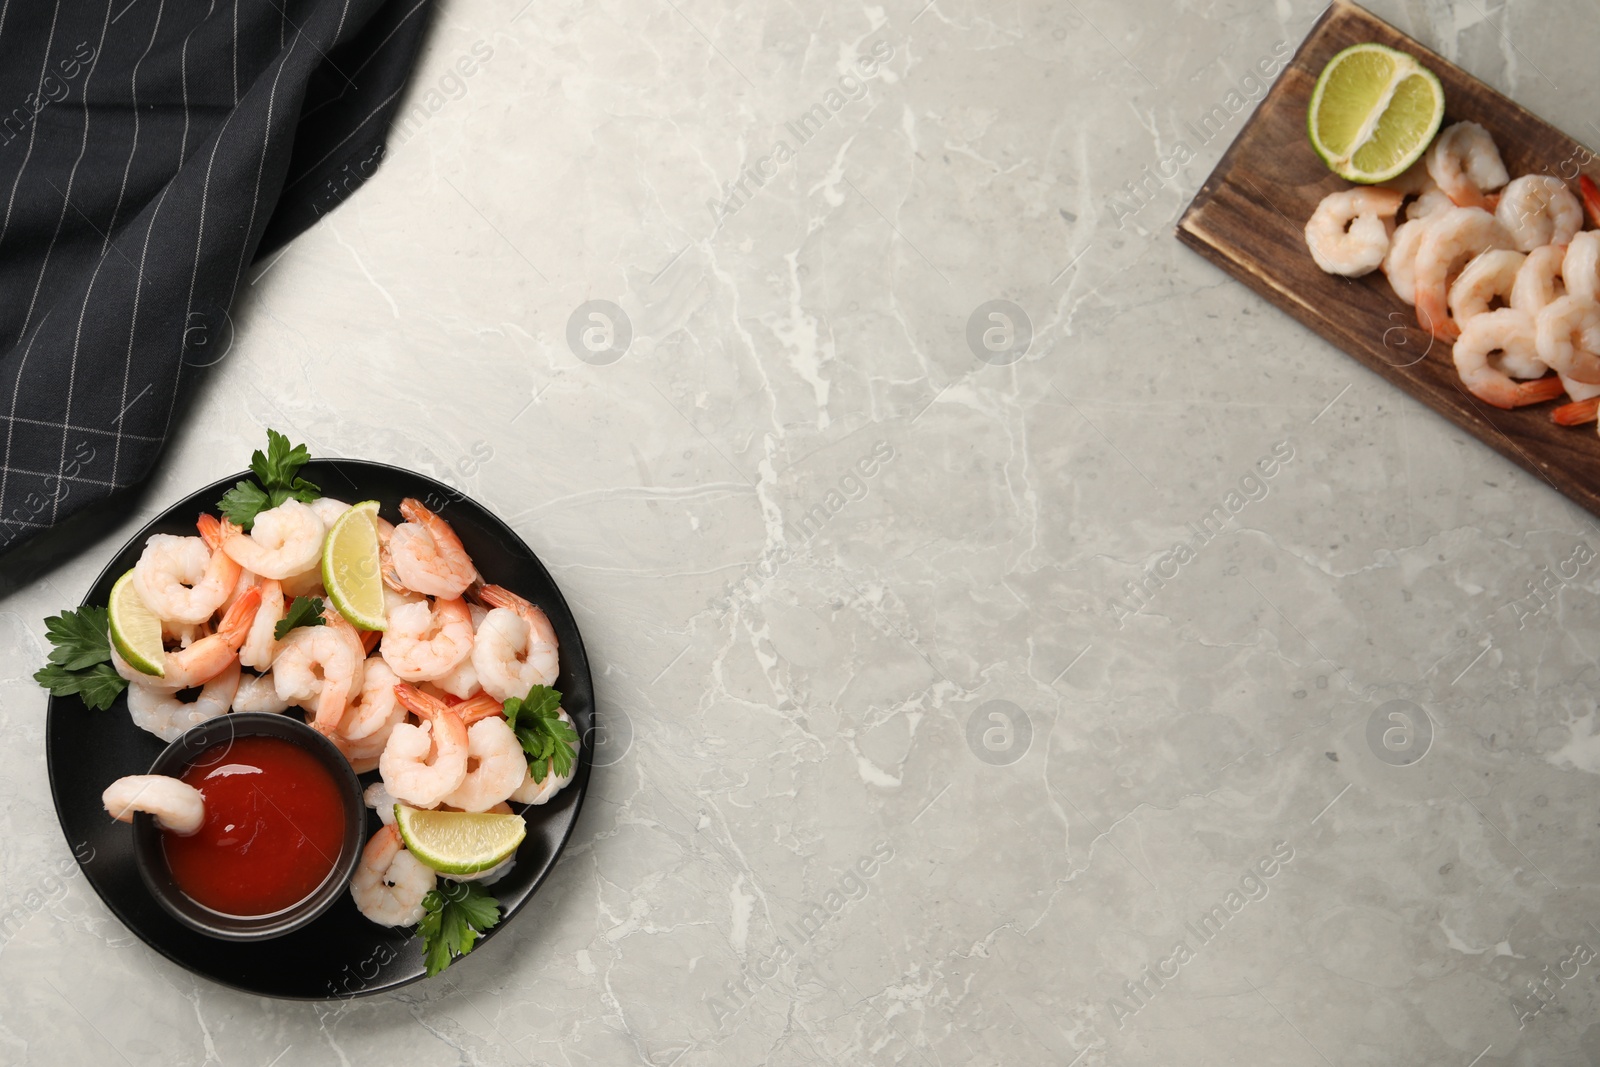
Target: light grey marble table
(929, 747)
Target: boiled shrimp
(260, 646)
(496, 766)
(378, 799)
(1568, 337)
(532, 792)
(328, 509)
(209, 656)
(1465, 163)
(176, 805)
(1349, 232)
(516, 646)
(258, 692)
(426, 641)
(284, 541)
(1450, 242)
(1580, 267)
(390, 883)
(1400, 265)
(1486, 280)
(376, 710)
(1505, 330)
(421, 765)
(181, 580)
(427, 555)
(163, 714)
(320, 667)
(1539, 210)
(1539, 280)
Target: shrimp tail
(1579, 411)
(1540, 390)
(211, 531)
(235, 625)
(1590, 194)
(416, 701)
(498, 596)
(481, 706)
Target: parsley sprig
(80, 661)
(536, 721)
(454, 915)
(277, 472)
(304, 611)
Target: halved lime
(351, 570)
(459, 842)
(135, 629)
(1373, 113)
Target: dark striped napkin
(150, 150)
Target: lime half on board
(1373, 113)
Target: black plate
(341, 954)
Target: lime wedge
(350, 568)
(1373, 113)
(135, 629)
(459, 842)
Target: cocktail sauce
(274, 827)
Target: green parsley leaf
(99, 686)
(277, 470)
(242, 503)
(79, 638)
(536, 720)
(454, 915)
(305, 611)
(80, 661)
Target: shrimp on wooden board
(1539, 210)
(390, 883)
(421, 765)
(1580, 267)
(1508, 331)
(163, 714)
(1400, 264)
(1484, 284)
(1465, 163)
(177, 805)
(181, 580)
(1538, 280)
(1567, 333)
(1349, 232)
(427, 555)
(1451, 241)
(516, 646)
(426, 641)
(283, 542)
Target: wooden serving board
(1249, 218)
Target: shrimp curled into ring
(421, 765)
(427, 555)
(1349, 232)
(390, 883)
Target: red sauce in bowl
(274, 827)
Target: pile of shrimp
(1499, 268)
(421, 702)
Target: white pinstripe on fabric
(66, 200)
(111, 227)
(133, 325)
(16, 391)
(33, 132)
(183, 67)
(376, 51)
(261, 165)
